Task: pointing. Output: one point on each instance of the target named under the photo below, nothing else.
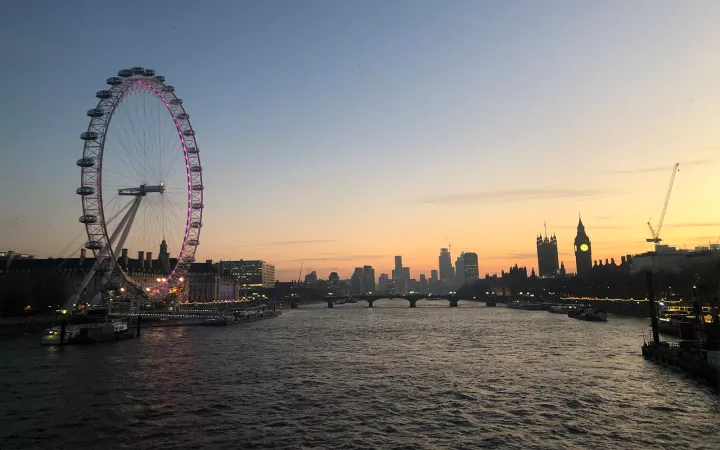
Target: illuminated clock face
(584, 247)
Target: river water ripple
(353, 377)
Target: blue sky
(380, 126)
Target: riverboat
(591, 315)
(52, 336)
(100, 331)
(215, 322)
(87, 333)
(531, 306)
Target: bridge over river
(412, 299)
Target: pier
(697, 355)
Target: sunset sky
(343, 133)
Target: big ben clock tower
(583, 251)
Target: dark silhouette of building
(356, 281)
(583, 251)
(384, 281)
(460, 270)
(334, 279)
(311, 278)
(472, 271)
(447, 273)
(164, 257)
(368, 279)
(547, 253)
(397, 273)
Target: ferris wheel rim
(129, 82)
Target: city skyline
(497, 124)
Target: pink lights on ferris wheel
(94, 215)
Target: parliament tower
(583, 251)
(547, 252)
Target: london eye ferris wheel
(140, 179)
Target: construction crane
(655, 231)
(449, 244)
(300, 274)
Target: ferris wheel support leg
(131, 218)
(122, 226)
(104, 254)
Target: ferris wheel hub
(142, 190)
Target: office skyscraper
(472, 270)
(356, 281)
(397, 272)
(460, 270)
(447, 273)
(368, 279)
(434, 275)
(384, 280)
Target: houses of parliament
(547, 253)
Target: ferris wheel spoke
(134, 180)
(130, 140)
(133, 166)
(138, 155)
(172, 208)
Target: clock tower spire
(583, 250)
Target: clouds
(708, 149)
(692, 225)
(511, 195)
(280, 243)
(592, 227)
(335, 258)
(514, 256)
(694, 162)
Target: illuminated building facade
(249, 273)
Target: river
(354, 377)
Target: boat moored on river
(592, 315)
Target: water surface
(354, 377)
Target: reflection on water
(352, 377)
